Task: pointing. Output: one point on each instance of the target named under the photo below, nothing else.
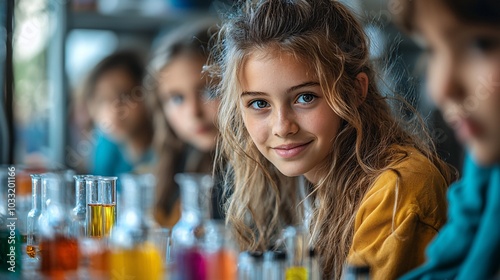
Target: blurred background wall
(55, 43)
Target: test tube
(107, 188)
(297, 247)
(275, 264)
(221, 253)
(94, 208)
(79, 217)
(250, 265)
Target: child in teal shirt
(462, 39)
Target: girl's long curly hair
(325, 34)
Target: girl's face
(188, 111)
(286, 113)
(464, 76)
(118, 106)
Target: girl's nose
(196, 107)
(284, 123)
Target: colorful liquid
(94, 257)
(190, 264)
(99, 260)
(102, 218)
(141, 262)
(94, 221)
(296, 273)
(59, 257)
(98, 263)
(222, 265)
(32, 250)
(32, 247)
(109, 217)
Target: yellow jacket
(398, 217)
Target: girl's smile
(291, 150)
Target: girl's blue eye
(259, 104)
(306, 98)
(176, 99)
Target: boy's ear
(362, 86)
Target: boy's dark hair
(471, 11)
(128, 61)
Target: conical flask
(133, 256)
(188, 233)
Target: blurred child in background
(117, 107)
(185, 133)
(462, 41)
(299, 98)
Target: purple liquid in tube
(192, 265)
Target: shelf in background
(128, 22)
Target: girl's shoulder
(409, 163)
(413, 184)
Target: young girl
(185, 133)
(117, 106)
(462, 39)
(298, 97)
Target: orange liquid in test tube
(222, 265)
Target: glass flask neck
(36, 191)
(136, 217)
(80, 192)
(44, 196)
(139, 193)
(195, 195)
(56, 218)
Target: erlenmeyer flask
(59, 248)
(187, 234)
(132, 254)
(33, 215)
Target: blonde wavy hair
(263, 201)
